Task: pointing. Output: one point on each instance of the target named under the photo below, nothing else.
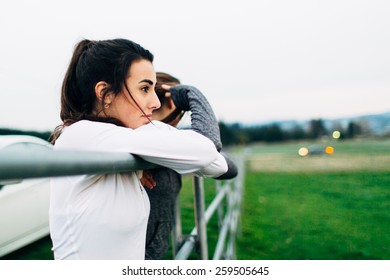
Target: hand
(147, 180)
(167, 88)
(169, 103)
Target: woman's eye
(145, 89)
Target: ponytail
(72, 105)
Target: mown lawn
(329, 216)
(317, 207)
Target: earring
(106, 105)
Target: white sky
(256, 61)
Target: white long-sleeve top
(105, 216)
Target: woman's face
(140, 82)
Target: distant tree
(296, 133)
(353, 130)
(274, 133)
(316, 129)
(228, 136)
(240, 135)
(256, 133)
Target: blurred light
(336, 134)
(329, 150)
(303, 151)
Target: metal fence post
(218, 188)
(200, 217)
(177, 235)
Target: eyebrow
(147, 81)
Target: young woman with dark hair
(107, 104)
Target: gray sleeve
(203, 120)
(232, 169)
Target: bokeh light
(329, 150)
(336, 134)
(303, 151)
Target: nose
(155, 102)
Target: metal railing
(28, 160)
(226, 205)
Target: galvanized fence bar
(28, 160)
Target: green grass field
(328, 207)
(331, 216)
(332, 207)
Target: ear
(100, 89)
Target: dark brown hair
(167, 79)
(164, 78)
(92, 62)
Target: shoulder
(84, 134)
(85, 128)
(86, 124)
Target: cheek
(127, 112)
(123, 105)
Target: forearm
(232, 169)
(203, 120)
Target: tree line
(238, 134)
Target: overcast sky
(256, 61)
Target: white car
(24, 204)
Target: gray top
(163, 196)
